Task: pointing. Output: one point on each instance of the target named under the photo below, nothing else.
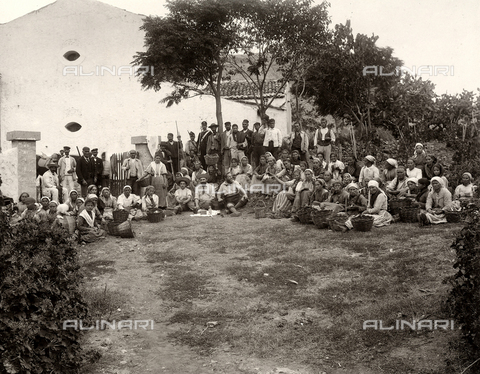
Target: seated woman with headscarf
(319, 194)
(422, 193)
(338, 194)
(158, 170)
(284, 200)
(465, 190)
(346, 180)
(427, 170)
(89, 230)
(398, 185)
(437, 200)
(150, 200)
(390, 172)
(244, 177)
(412, 171)
(234, 168)
(356, 202)
(317, 167)
(72, 203)
(438, 172)
(369, 171)
(286, 174)
(377, 206)
(30, 212)
(107, 204)
(412, 189)
(419, 156)
(260, 170)
(130, 202)
(328, 178)
(42, 213)
(92, 190)
(303, 191)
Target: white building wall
(42, 91)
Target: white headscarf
(439, 180)
(373, 183)
(413, 179)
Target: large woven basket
(212, 159)
(320, 218)
(397, 204)
(260, 210)
(453, 216)
(120, 215)
(124, 229)
(409, 214)
(155, 216)
(305, 215)
(362, 223)
(336, 222)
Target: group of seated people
(292, 183)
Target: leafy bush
(39, 290)
(464, 298)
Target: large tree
(350, 75)
(189, 48)
(277, 34)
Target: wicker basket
(124, 229)
(409, 214)
(120, 216)
(212, 159)
(362, 223)
(320, 218)
(305, 215)
(453, 216)
(260, 211)
(145, 181)
(397, 204)
(336, 222)
(155, 216)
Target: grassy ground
(296, 295)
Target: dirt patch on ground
(239, 295)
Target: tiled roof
(242, 90)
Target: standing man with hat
(202, 143)
(248, 135)
(97, 163)
(85, 171)
(323, 140)
(51, 184)
(174, 148)
(133, 168)
(214, 141)
(66, 172)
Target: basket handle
(261, 201)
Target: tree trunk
(218, 104)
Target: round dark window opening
(73, 126)
(72, 55)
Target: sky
(438, 38)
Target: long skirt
(283, 202)
(160, 190)
(435, 218)
(301, 199)
(91, 235)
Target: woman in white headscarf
(377, 206)
(465, 190)
(437, 200)
(419, 156)
(369, 171)
(158, 171)
(390, 171)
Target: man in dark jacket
(98, 168)
(174, 148)
(202, 143)
(85, 170)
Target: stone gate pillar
(26, 163)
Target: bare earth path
(154, 270)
